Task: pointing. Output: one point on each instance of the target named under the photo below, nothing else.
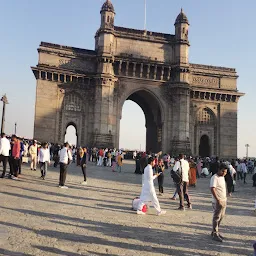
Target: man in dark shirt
(214, 166)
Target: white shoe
(161, 213)
(14, 178)
(64, 187)
(84, 183)
(140, 212)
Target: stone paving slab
(38, 218)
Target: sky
(222, 33)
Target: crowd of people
(184, 171)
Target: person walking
(5, 147)
(182, 167)
(148, 193)
(33, 155)
(44, 159)
(219, 200)
(83, 162)
(65, 160)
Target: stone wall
(144, 49)
(46, 111)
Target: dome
(182, 18)
(107, 7)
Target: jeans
(63, 174)
(43, 168)
(4, 160)
(118, 168)
(218, 214)
(182, 190)
(14, 166)
(239, 175)
(161, 183)
(83, 166)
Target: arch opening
(71, 134)
(152, 118)
(204, 147)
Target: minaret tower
(105, 124)
(182, 46)
(180, 88)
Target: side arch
(205, 125)
(72, 112)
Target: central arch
(153, 117)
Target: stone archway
(205, 138)
(204, 146)
(72, 141)
(153, 117)
(72, 113)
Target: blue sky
(221, 33)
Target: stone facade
(188, 107)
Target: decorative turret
(181, 27)
(107, 15)
(181, 36)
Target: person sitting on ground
(204, 172)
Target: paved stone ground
(38, 218)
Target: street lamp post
(15, 128)
(247, 147)
(5, 101)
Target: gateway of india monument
(189, 108)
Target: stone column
(148, 71)
(141, 70)
(120, 67)
(162, 73)
(180, 120)
(169, 75)
(155, 72)
(127, 68)
(134, 68)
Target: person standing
(219, 201)
(5, 147)
(244, 171)
(21, 154)
(192, 173)
(65, 160)
(119, 162)
(33, 155)
(44, 159)
(182, 167)
(148, 193)
(100, 155)
(15, 153)
(83, 162)
(160, 170)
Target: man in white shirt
(219, 200)
(182, 167)
(65, 159)
(44, 159)
(4, 152)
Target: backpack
(177, 176)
